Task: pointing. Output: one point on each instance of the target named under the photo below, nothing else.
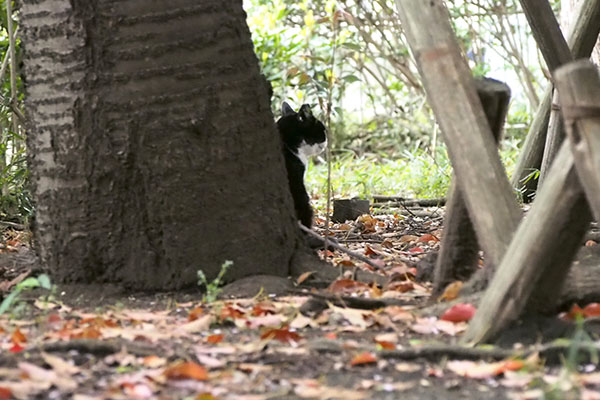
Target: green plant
(42, 281)
(15, 198)
(213, 288)
(581, 341)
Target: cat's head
(301, 132)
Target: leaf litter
(265, 347)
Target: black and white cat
(303, 136)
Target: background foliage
(350, 58)
(15, 199)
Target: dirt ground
(350, 340)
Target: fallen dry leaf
(304, 277)
(283, 335)
(384, 345)
(363, 358)
(201, 324)
(461, 312)
(195, 313)
(452, 291)
(347, 286)
(18, 338)
(154, 361)
(428, 237)
(214, 339)
(5, 393)
(186, 370)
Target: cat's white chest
(307, 150)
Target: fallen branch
(550, 352)
(342, 248)
(99, 347)
(377, 200)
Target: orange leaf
(214, 339)
(186, 370)
(283, 335)
(451, 292)
(416, 250)
(5, 393)
(428, 237)
(304, 277)
(230, 312)
(346, 263)
(402, 287)
(459, 313)
(592, 310)
(363, 358)
(195, 313)
(330, 335)
(18, 337)
(346, 285)
(263, 308)
(513, 365)
(87, 333)
(369, 251)
(205, 396)
(574, 312)
(99, 322)
(386, 345)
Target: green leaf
(351, 46)
(351, 78)
(44, 281)
(29, 283)
(8, 300)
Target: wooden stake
(451, 93)
(579, 86)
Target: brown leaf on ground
(363, 358)
(452, 291)
(283, 335)
(186, 370)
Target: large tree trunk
(153, 151)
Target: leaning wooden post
(471, 147)
(542, 249)
(555, 51)
(457, 258)
(579, 87)
(582, 39)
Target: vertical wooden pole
(452, 94)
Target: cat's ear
(305, 111)
(286, 110)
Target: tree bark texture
(153, 150)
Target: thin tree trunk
(153, 148)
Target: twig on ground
(14, 225)
(435, 352)
(99, 347)
(342, 248)
(354, 302)
(378, 200)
